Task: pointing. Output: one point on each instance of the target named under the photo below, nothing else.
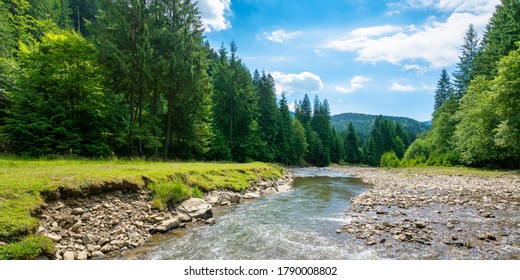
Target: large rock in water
(196, 208)
(168, 225)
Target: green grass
(22, 181)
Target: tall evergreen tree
(465, 68)
(500, 37)
(285, 152)
(444, 89)
(267, 115)
(235, 106)
(352, 152)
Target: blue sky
(363, 56)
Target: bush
(28, 249)
(196, 192)
(170, 192)
(389, 160)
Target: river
(300, 224)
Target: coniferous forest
(136, 78)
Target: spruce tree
(464, 73)
(443, 91)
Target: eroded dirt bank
(423, 216)
(96, 226)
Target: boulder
(68, 255)
(250, 195)
(82, 256)
(210, 221)
(168, 225)
(98, 254)
(195, 208)
(77, 211)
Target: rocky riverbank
(104, 224)
(423, 216)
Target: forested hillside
(477, 118)
(363, 123)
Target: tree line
(476, 121)
(98, 78)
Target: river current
(300, 224)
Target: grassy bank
(24, 183)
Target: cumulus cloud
(213, 14)
(304, 82)
(398, 87)
(358, 82)
(436, 42)
(281, 36)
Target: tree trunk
(169, 116)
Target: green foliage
(389, 160)
(28, 249)
(465, 68)
(196, 192)
(444, 90)
(59, 105)
(352, 152)
(299, 145)
(169, 192)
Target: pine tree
(464, 73)
(285, 150)
(352, 152)
(267, 115)
(444, 89)
(500, 37)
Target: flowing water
(300, 224)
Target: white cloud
(304, 82)
(436, 42)
(459, 6)
(213, 14)
(281, 36)
(398, 87)
(374, 31)
(358, 82)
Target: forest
(477, 118)
(136, 78)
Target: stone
(68, 255)
(168, 225)
(250, 195)
(82, 256)
(370, 241)
(54, 237)
(86, 239)
(183, 218)
(105, 249)
(338, 231)
(102, 241)
(210, 221)
(3, 244)
(196, 208)
(77, 211)
(97, 254)
(450, 225)
(420, 224)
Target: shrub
(389, 160)
(169, 192)
(196, 192)
(28, 249)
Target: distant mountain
(363, 123)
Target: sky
(363, 56)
